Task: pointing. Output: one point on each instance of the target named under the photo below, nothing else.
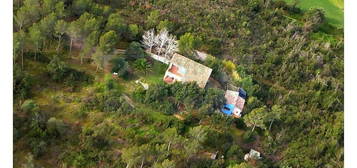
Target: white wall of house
(159, 58)
(237, 112)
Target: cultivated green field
(333, 8)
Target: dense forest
(71, 111)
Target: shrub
(16, 134)
(81, 113)
(29, 161)
(187, 94)
(215, 46)
(56, 127)
(116, 23)
(215, 98)
(134, 52)
(229, 65)
(133, 31)
(165, 24)
(235, 153)
(205, 110)
(112, 103)
(120, 66)
(22, 83)
(109, 85)
(191, 120)
(125, 108)
(167, 107)
(219, 140)
(57, 69)
(38, 147)
(314, 18)
(217, 68)
(142, 65)
(188, 42)
(139, 94)
(249, 136)
(29, 106)
(153, 19)
(240, 123)
(59, 72)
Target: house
(186, 70)
(235, 101)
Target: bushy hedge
(120, 66)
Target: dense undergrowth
(68, 113)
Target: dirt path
(128, 100)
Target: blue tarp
(228, 109)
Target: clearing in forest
(333, 9)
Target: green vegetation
(333, 9)
(80, 73)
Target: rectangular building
(183, 69)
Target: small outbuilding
(235, 101)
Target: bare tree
(156, 41)
(149, 39)
(163, 42)
(171, 46)
(163, 38)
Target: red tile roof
(169, 79)
(174, 69)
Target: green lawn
(157, 73)
(333, 9)
(154, 75)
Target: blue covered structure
(228, 109)
(235, 101)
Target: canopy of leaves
(134, 52)
(107, 42)
(188, 42)
(120, 66)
